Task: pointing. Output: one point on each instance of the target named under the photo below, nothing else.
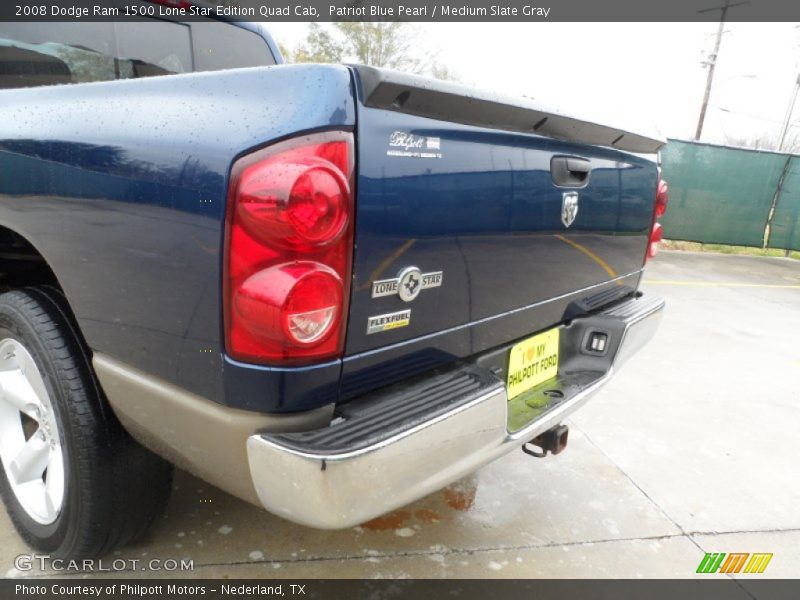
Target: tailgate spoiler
(446, 101)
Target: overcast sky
(626, 73)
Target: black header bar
(505, 11)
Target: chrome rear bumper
(354, 470)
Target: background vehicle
(313, 286)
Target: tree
(764, 141)
(382, 44)
(285, 52)
(319, 46)
(443, 72)
(389, 45)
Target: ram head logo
(569, 208)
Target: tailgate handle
(570, 171)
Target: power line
(732, 111)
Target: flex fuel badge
(388, 321)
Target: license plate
(532, 362)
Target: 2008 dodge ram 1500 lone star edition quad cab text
(328, 290)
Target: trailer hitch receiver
(553, 440)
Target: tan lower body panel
(196, 434)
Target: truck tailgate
(487, 216)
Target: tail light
(288, 251)
(657, 231)
(662, 197)
(656, 235)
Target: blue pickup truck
(328, 290)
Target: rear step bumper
(412, 439)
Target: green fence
(725, 195)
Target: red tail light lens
(289, 239)
(662, 198)
(655, 237)
(312, 307)
(299, 202)
(657, 231)
(298, 302)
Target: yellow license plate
(532, 362)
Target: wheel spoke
(31, 461)
(34, 464)
(18, 392)
(54, 483)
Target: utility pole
(712, 62)
(788, 118)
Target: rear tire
(106, 489)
